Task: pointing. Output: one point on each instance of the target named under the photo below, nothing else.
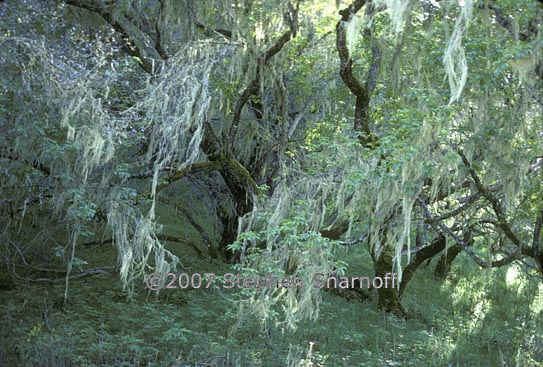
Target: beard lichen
(454, 58)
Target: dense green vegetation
(393, 140)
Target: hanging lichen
(398, 11)
(454, 59)
(525, 66)
(354, 31)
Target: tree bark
(445, 261)
(389, 298)
(437, 245)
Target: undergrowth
(467, 320)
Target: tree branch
(532, 32)
(361, 92)
(158, 34)
(467, 204)
(537, 251)
(34, 164)
(502, 20)
(435, 247)
(208, 31)
(107, 15)
(445, 229)
(193, 168)
(62, 276)
(373, 72)
(496, 207)
(254, 86)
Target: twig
(443, 228)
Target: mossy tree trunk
(443, 266)
(389, 298)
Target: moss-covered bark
(389, 298)
(444, 264)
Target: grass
(473, 318)
(467, 320)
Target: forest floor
(467, 320)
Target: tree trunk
(444, 264)
(428, 252)
(389, 298)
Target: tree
(175, 137)
(414, 134)
(422, 180)
(308, 128)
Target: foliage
(287, 138)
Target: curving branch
(254, 86)
(361, 91)
(441, 227)
(494, 202)
(426, 252)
